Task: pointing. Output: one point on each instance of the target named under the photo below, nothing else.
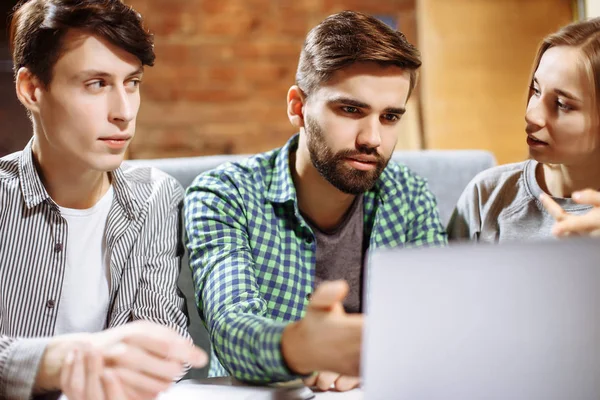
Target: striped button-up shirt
(142, 236)
(253, 255)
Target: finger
(137, 359)
(166, 343)
(345, 383)
(94, 366)
(133, 394)
(111, 386)
(328, 294)
(141, 383)
(326, 380)
(311, 380)
(76, 384)
(587, 196)
(552, 207)
(66, 371)
(577, 224)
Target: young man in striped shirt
(264, 233)
(86, 245)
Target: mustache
(361, 152)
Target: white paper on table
(355, 394)
(218, 392)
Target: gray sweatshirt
(502, 204)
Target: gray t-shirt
(502, 204)
(340, 254)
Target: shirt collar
(32, 187)
(35, 193)
(282, 189)
(124, 193)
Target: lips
(535, 140)
(116, 138)
(366, 160)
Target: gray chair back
(448, 171)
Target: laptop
(514, 321)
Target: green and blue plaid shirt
(253, 256)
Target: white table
(227, 388)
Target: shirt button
(50, 303)
(308, 296)
(58, 247)
(309, 239)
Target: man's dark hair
(349, 37)
(38, 28)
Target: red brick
(272, 94)
(223, 69)
(220, 75)
(161, 138)
(179, 54)
(164, 22)
(211, 96)
(294, 27)
(234, 18)
(222, 25)
(392, 7)
(213, 7)
(174, 114)
(301, 7)
(284, 51)
(267, 73)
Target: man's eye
(134, 83)
(391, 117)
(350, 110)
(96, 84)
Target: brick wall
(15, 128)
(224, 67)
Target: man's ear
(28, 88)
(295, 106)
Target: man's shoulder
(252, 174)
(149, 183)
(397, 177)
(9, 166)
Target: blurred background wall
(223, 69)
(592, 8)
(477, 59)
(15, 129)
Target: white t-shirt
(86, 288)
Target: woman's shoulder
(500, 175)
(499, 187)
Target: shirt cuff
(270, 357)
(22, 365)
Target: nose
(535, 116)
(370, 134)
(121, 107)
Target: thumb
(329, 294)
(587, 196)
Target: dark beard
(333, 167)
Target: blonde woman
(563, 134)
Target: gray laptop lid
(517, 321)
